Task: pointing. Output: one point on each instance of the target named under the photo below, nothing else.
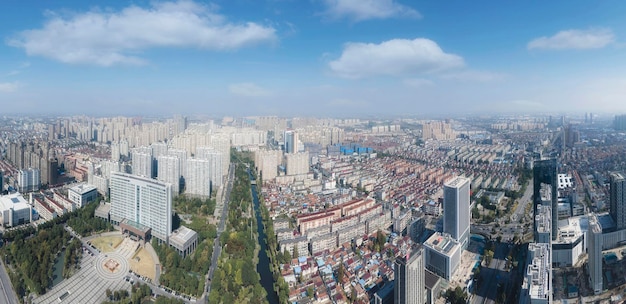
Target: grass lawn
(107, 243)
(143, 264)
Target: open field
(142, 264)
(107, 243)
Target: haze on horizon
(322, 57)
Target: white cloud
(8, 87)
(105, 38)
(393, 57)
(418, 82)
(248, 89)
(473, 76)
(574, 39)
(359, 10)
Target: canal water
(263, 267)
(57, 269)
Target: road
(217, 247)
(518, 213)
(8, 295)
(493, 275)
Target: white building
(409, 278)
(82, 194)
(443, 255)
(570, 242)
(537, 285)
(456, 209)
(169, 171)
(142, 161)
(297, 163)
(216, 159)
(144, 201)
(28, 180)
(14, 210)
(267, 162)
(198, 177)
(184, 240)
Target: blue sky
(311, 57)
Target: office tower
(409, 272)
(537, 284)
(456, 209)
(169, 171)
(142, 200)
(198, 177)
(595, 255)
(618, 199)
(544, 172)
(142, 161)
(291, 141)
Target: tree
(456, 296)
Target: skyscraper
(544, 172)
(198, 177)
(595, 255)
(142, 200)
(409, 275)
(291, 141)
(456, 209)
(618, 199)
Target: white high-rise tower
(456, 209)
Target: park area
(142, 264)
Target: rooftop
(13, 201)
(83, 188)
(182, 234)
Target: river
(263, 267)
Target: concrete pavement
(8, 294)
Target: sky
(311, 57)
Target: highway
(8, 295)
(217, 247)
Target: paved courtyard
(98, 272)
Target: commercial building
(409, 278)
(537, 285)
(618, 199)
(443, 255)
(544, 172)
(82, 194)
(594, 250)
(291, 141)
(456, 209)
(14, 210)
(144, 201)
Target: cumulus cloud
(8, 87)
(360, 10)
(248, 89)
(105, 38)
(574, 39)
(393, 57)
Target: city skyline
(323, 57)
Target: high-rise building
(544, 172)
(169, 171)
(620, 122)
(28, 180)
(198, 177)
(409, 275)
(142, 162)
(618, 199)
(215, 159)
(456, 209)
(144, 201)
(537, 285)
(595, 255)
(291, 141)
(297, 163)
